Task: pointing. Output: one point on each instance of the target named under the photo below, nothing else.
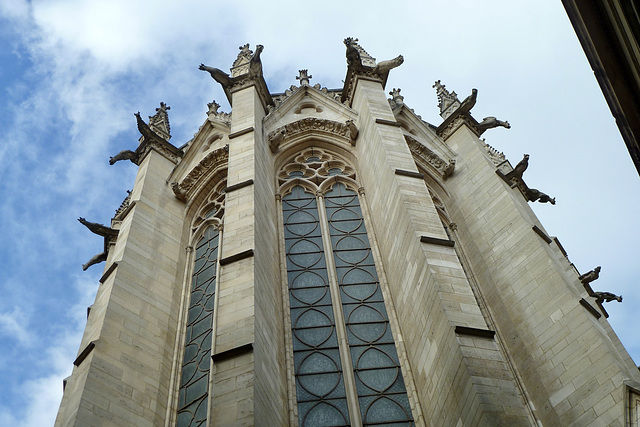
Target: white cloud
(14, 324)
(42, 393)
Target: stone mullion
(341, 330)
(405, 366)
(178, 352)
(288, 334)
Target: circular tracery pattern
(212, 210)
(315, 165)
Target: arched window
(345, 359)
(193, 395)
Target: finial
(213, 108)
(163, 107)
(395, 95)
(303, 77)
(244, 49)
(448, 102)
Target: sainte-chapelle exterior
(325, 257)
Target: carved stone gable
(159, 122)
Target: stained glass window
(375, 368)
(381, 391)
(319, 383)
(194, 381)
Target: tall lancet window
(344, 355)
(193, 395)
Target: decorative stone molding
(164, 148)
(309, 125)
(445, 168)
(214, 159)
(124, 207)
(279, 99)
(447, 128)
(496, 156)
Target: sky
(72, 73)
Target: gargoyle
(519, 169)
(469, 102)
(606, 297)
(490, 123)
(178, 192)
(146, 131)
(535, 195)
(96, 259)
(255, 66)
(353, 56)
(353, 131)
(218, 75)
(275, 138)
(448, 170)
(100, 230)
(124, 155)
(385, 66)
(590, 276)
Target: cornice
(308, 125)
(164, 148)
(444, 168)
(454, 122)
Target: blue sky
(72, 74)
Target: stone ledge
(542, 234)
(237, 257)
(238, 186)
(241, 132)
(590, 308)
(388, 122)
(437, 241)
(410, 174)
(475, 332)
(107, 273)
(83, 355)
(234, 352)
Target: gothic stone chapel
(324, 257)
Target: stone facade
(489, 320)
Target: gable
(307, 102)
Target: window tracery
(344, 355)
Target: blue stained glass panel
(194, 383)
(381, 392)
(320, 390)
